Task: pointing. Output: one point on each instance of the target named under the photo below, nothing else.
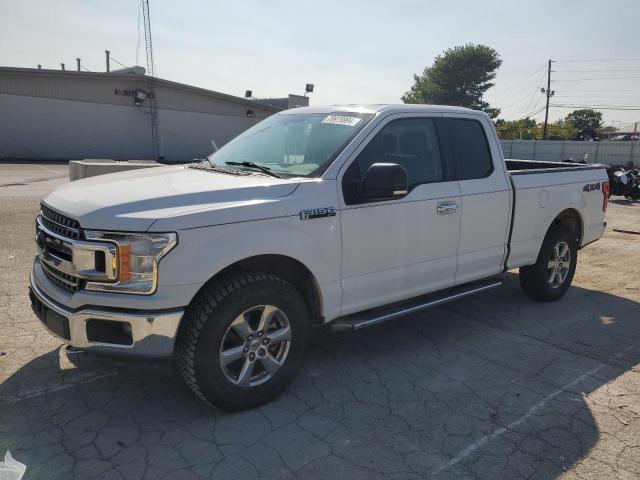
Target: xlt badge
(312, 213)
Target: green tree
(561, 128)
(585, 118)
(460, 76)
(528, 129)
(514, 129)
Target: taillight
(605, 194)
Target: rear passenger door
(398, 248)
(485, 197)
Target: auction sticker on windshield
(341, 120)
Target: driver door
(398, 248)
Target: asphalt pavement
(495, 386)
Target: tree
(460, 76)
(561, 128)
(585, 118)
(513, 129)
(528, 129)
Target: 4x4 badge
(589, 187)
(312, 213)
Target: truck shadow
(495, 386)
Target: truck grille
(54, 221)
(68, 228)
(68, 282)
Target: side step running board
(368, 318)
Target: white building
(65, 115)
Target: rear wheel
(550, 277)
(242, 340)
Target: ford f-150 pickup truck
(343, 215)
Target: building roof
(127, 75)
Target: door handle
(445, 208)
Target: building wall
(70, 115)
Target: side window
(470, 149)
(411, 143)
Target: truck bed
(541, 191)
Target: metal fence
(609, 153)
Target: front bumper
(115, 331)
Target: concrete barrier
(79, 169)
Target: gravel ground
(495, 386)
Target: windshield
(298, 144)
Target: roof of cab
(379, 108)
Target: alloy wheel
(255, 346)
(559, 264)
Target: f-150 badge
(312, 213)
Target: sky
(353, 51)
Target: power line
(595, 105)
(524, 90)
(600, 107)
(600, 60)
(535, 92)
(609, 90)
(513, 85)
(599, 70)
(598, 96)
(537, 111)
(591, 79)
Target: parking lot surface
(495, 386)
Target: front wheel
(550, 277)
(242, 340)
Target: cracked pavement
(495, 386)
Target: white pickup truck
(342, 215)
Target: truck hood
(135, 200)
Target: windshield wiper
(266, 170)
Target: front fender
(204, 252)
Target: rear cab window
(469, 148)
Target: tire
(538, 281)
(259, 367)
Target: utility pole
(549, 93)
(78, 63)
(106, 55)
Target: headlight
(136, 260)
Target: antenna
(151, 74)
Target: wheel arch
(285, 267)
(571, 219)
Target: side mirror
(385, 180)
